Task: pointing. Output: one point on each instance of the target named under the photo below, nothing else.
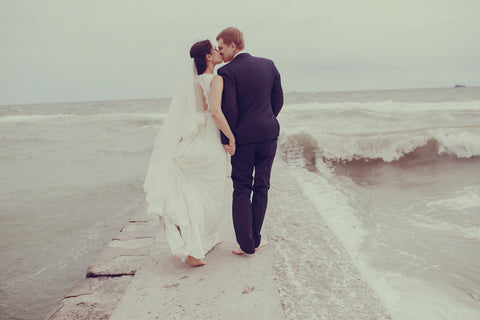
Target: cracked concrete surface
(305, 273)
(107, 278)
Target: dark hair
(199, 52)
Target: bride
(187, 180)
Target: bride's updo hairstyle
(199, 52)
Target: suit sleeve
(229, 102)
(277, 92)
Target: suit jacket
(252, 98)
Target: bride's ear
(208, 57)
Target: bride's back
(204, 81)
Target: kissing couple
(214, 119)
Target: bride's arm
(215, 99)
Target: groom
(252, 98)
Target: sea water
(396, 175)
(71, 176)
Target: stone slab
(116, 260)
(137, 230)
(141, 215)
(93, 298)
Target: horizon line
(456, 86)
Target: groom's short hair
(230, 35)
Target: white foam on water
(406, 296)
(386, 130)
(76, 118)
(389, 147)
(386, 106)
(468, 197)
(392, 146)
(463, 143)
(334, 205)
(409, 298)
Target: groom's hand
(229, 149)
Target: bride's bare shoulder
(216, 81)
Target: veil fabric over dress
(187, 181)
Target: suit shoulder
(266, 60)
(223, 70)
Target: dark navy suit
(252, 98)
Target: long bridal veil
(180, 123)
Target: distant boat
(459, 86)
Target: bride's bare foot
(219, 242)
(194, 262)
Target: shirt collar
(239, 52)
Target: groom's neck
(237, 53)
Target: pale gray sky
(84, 50)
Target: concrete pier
(107, 278)
(304, 273)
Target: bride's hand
(227, 148)
(230, 148)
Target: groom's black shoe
(262, 244)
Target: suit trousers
(251, 168)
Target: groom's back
(252, 86)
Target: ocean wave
(386, 106)
(141, 117)
(307, 149)
(33, 118)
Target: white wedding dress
(197, 195)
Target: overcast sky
(84, 50)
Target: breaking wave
(426, 145)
